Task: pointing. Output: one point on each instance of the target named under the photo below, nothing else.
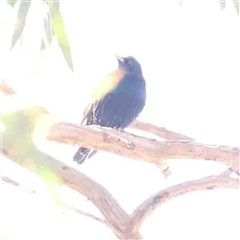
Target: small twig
(78, 211)
(16, 184)
(6, 89)
(65, 205)
(234, 168)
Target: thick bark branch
(114, 214)
(162, 133)
(159, 131)
(140, 148)
(156, 200)
(234, 168)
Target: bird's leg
(120, 130)
(92, 153)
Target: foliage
(54, 24)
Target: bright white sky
(190, 59)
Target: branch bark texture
(140, 148)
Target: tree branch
(234, 168)
(140, 148)
(86, 214)
(156, 200)
(159, 131)
(162, 133)
(16, 184)
(65, 205)
(6, 89)
(114, 214)
(17, 145)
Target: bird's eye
(128, 62)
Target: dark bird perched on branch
(117, 100)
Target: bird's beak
(119, 58)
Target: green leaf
(236, 4)
(19, 139)
(18, 136)
(51, 182)
(21, 20)
(12, 2)
(43, 45)
(48, 28)
(222, 4)
(53, 4)
(60, 33)
(56, 4)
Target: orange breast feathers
(107, 84)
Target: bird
(116, 101)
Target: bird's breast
(122, 105)
(107, 84)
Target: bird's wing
(107, 84)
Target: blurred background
(189, 52)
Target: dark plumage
(117, 100)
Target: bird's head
(129, 65)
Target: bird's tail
(82, 154)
